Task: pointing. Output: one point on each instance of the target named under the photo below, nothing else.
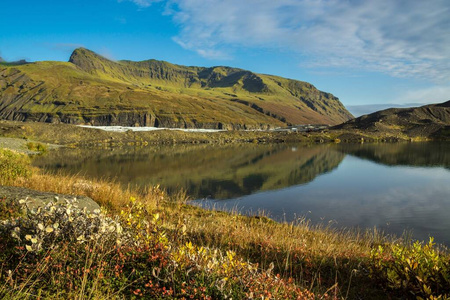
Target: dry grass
(316, 257)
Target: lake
(394, 187)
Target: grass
(38, 147)
(13, 165)
(168, 249)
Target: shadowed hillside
(90, 89)
(429, 121)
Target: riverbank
(178, 250)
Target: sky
(363, 52)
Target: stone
(37, 198)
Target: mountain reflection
(202, 170)
(406, 154)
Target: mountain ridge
(427, 121)
(91, 89)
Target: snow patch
(125, 128)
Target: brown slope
(429, 121)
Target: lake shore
(76, 136)
(290, 260)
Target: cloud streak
(142, 3)
(401, 38)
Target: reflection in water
(203, 171)
(394, 187)
(363, 194)
(407, 154)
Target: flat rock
(37, 198)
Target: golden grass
(316, 257)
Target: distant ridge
(91, 89)
(428, 121)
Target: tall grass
(266, 258)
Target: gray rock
(37, 198)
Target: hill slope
(429, 121)
(92, 89)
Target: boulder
(37, 198)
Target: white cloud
(399, 37)
(142, 3)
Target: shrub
(8, 208)
(37, 147)
(47, 226)
(64, 251)
(13, 165)
(418, 270)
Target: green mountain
(428, 121)
(91, 89)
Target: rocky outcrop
(36, 198)
(128, 119)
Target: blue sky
(364, 52)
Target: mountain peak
(83, 53)
(1, 59)
(88, 60)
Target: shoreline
(349, 262)
(86, 136)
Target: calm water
(395, 187)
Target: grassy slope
(429, 121)
(91, 86)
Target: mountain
(91, 89)
(1, 59)
(428, 121)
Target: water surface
(395, 187)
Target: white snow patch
(125, 128)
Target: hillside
(90, 89)
(429, 121)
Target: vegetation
(13, 165)
(419, 270)
(416, 124)
(93, 89)
(38, 147)
(150, 244)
